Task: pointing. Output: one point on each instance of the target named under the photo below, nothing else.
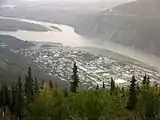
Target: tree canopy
(135, 102)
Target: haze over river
(68, 37)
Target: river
(68, 37)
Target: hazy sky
(84, 0)
(69, 0)
(75, 1)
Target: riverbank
(11, 25)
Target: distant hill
(143, 8)
(135, 24)
(13, 64)
(13, 43)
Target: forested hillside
(29, 99)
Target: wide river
(68, 37)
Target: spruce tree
(97, 87)
(1, 97)
(13, 99)
(144, 80)
(50, 84)
(103, 86)
(29, 88)
(36, 87)
(148, 80)
(19, 100)
(112, 86)
(132, 100)
(5, 100)
(75, 79)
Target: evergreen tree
(148, 80)
(19, 100)
(29, 88)
(7, 95)
(1, 100)
(112, 86)
(75, 79)
(5, 98)
(50, 84)
(103, 86)
(36, 87)
(97, 87)
(144, 79)
(132, 100)
(13, 99)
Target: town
(93, 69)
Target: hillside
(13, 64)
(9, 67)
(135, 24)
(143, 8)
(13, 43)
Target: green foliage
(132, 99)
(13, 99)
(36, 87)
(19, 99)
(149, 102)
(4, 98)
(50, 103)
(112, 86)
(29, 86)
(65, 92)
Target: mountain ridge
(134, 24)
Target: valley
(79, 60)
(54, 61)
(110, 35)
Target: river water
(68, 37)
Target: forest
(32, 99)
